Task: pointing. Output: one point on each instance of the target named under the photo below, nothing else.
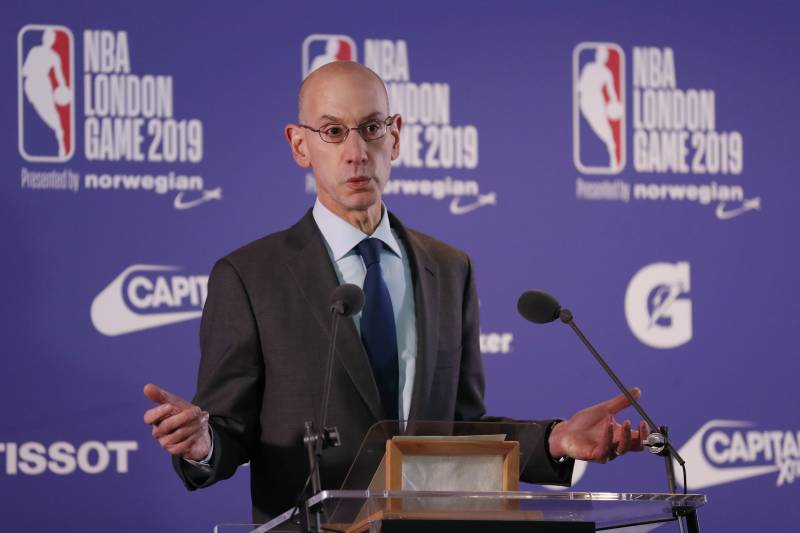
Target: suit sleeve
(230, 379)
(540, 467)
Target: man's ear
(297, 142)
(395, 132)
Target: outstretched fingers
(608, 444)
(191, 417)
(159, 413)
(620, 402)
(624, 439)
(639, 436)
(180, 427)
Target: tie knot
(370, 250)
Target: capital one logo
(46, 93)
(321, 49)
(598, 110)
(148, 296)
(656, 307)
(724, 451)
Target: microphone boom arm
(565, 315)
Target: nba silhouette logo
(598, 109)
(46, 93)
(320, 49)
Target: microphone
(347, 299)
(538, 307)
(541, 308)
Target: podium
(448, 480)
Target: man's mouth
(359, 181)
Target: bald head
(350, 172)
(334, 76)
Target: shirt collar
(342, 237)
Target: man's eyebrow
(331, 118)
(371, 116)
(337, 120)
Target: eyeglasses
(371, 130)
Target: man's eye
(372, 127)
(333, 130)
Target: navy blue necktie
(378, 329)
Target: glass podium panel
(345, 510)
(363, 501)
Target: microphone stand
(657, 442)
(318, 440)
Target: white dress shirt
(340, 240)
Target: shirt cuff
(557, 460)
(205, 461)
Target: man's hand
(180, 427)
(592, 434)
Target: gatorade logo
(656, 306)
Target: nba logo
(598, 108)
(46, 93)
(319, 49)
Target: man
(264, 332)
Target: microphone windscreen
(347, 299)
(538, 307)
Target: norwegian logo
(321, 49)
(598, 111)
(46, 93)
(724, 451)
(148, 296)
(656, 307)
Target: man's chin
(363, 200)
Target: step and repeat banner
(637, 161)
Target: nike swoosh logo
(747, 205)
(111, 317)
(213, 194)
(485, 199)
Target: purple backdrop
(635, 161)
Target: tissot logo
(148, 296)
(656, 307)
(723, 451)
(64, 458)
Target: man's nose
(355, 148)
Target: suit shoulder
(441, 251)
(255, 251)
(271, 250)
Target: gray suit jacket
(264, 339)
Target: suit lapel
(424, 272)
(315, 277)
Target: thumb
(156, 393)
